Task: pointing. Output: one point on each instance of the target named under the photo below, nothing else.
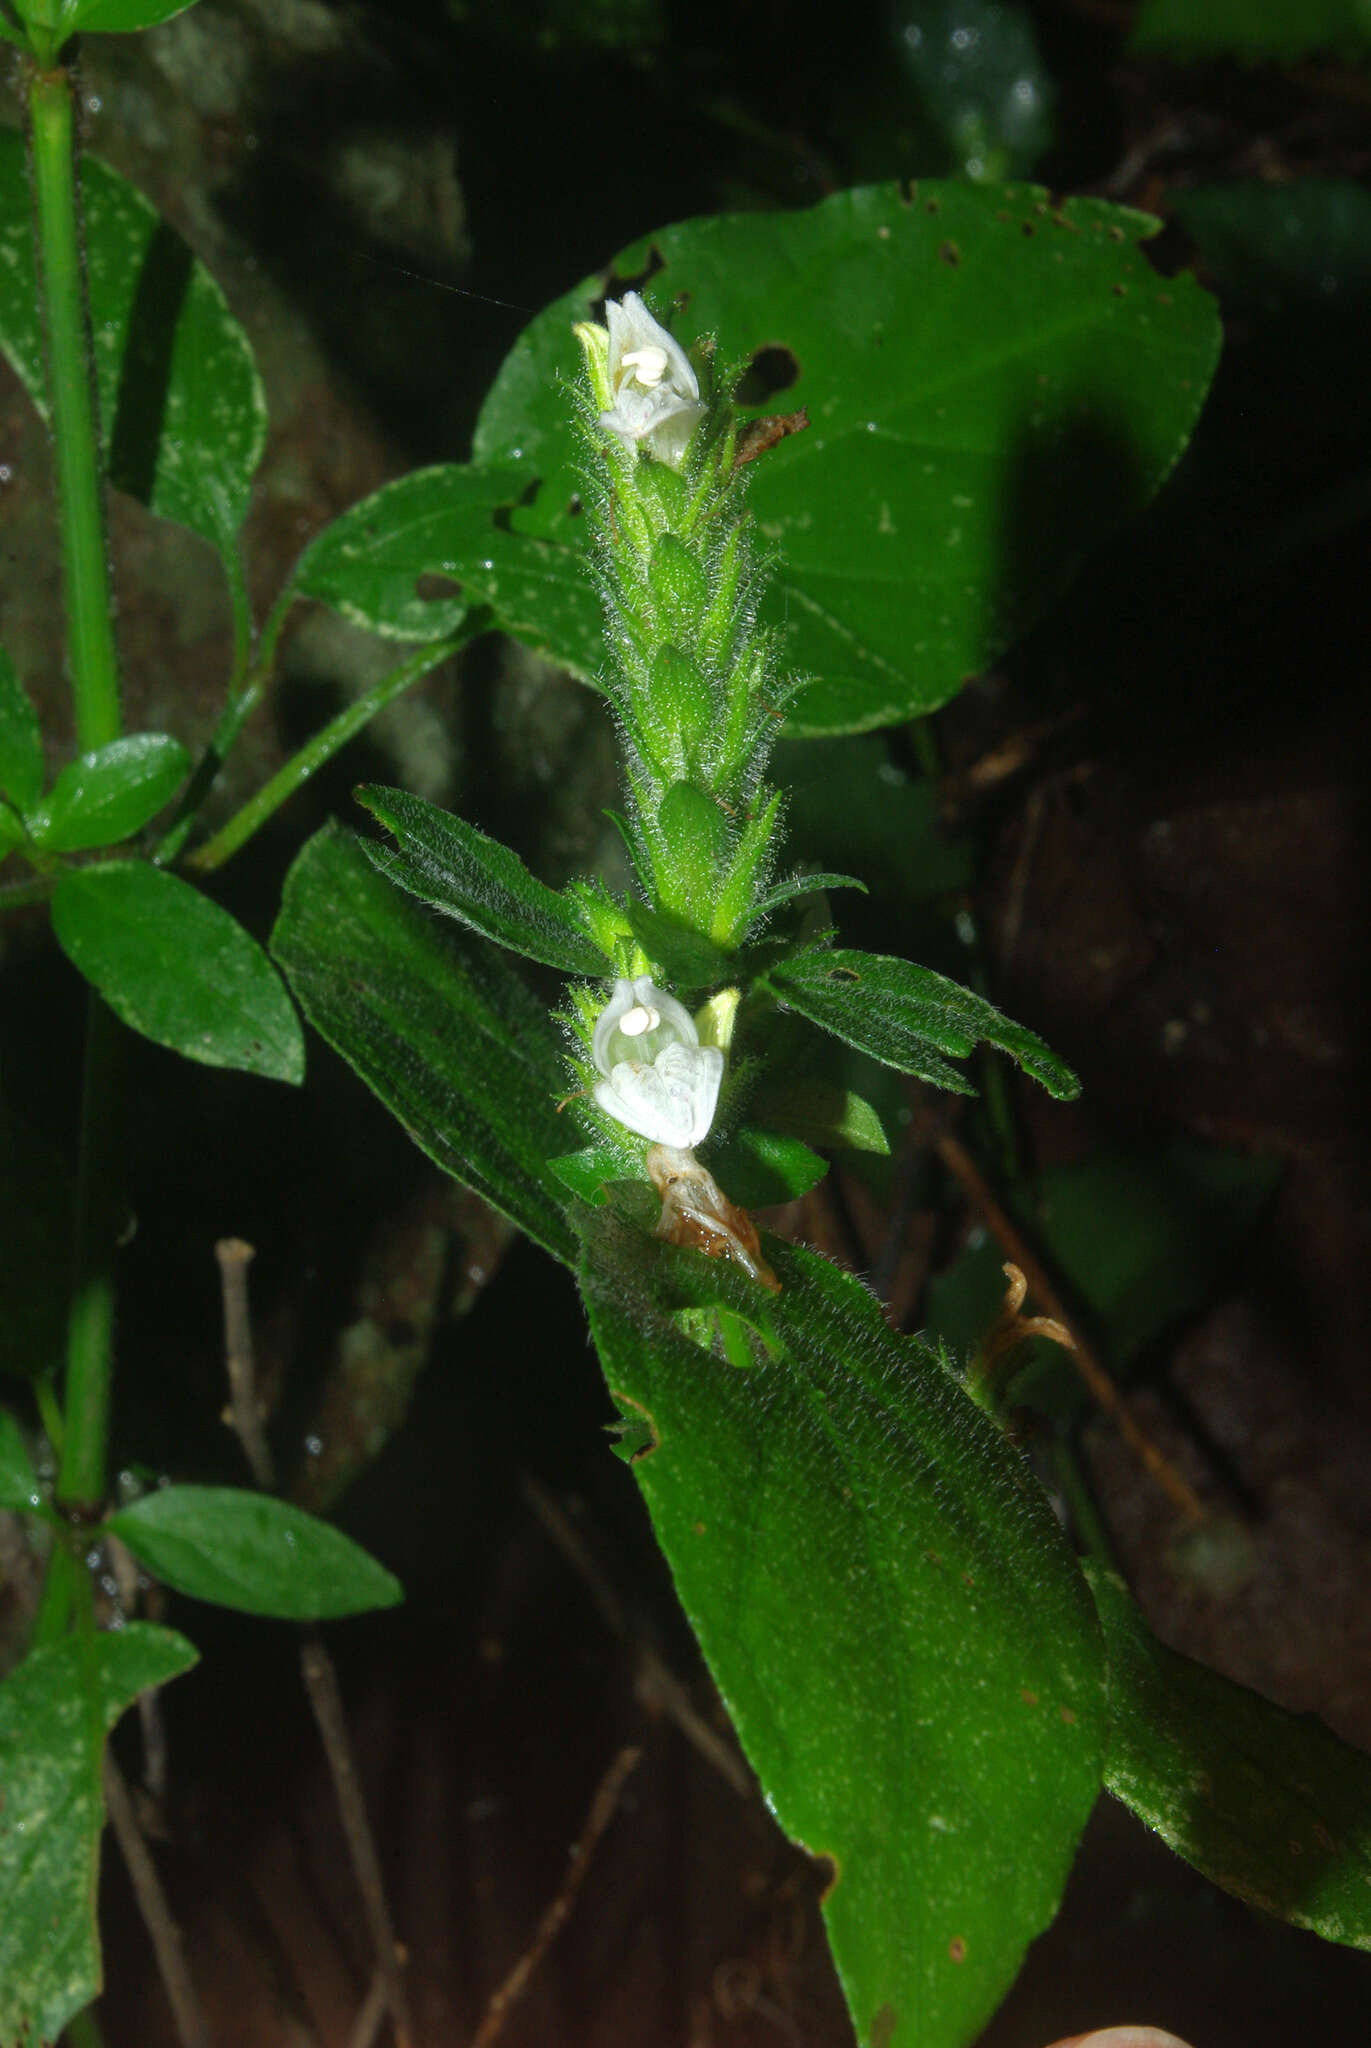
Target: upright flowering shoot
(692, 677)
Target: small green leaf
(249, 1551)
(824, 1113)
(437, 1025)
(799, 885)
(55, 1709)
(685, 957)
(590, 1171)
(894, 1619)
(21, 741)
(35, 1230)
(757, 1168)
(176, 967)
(179, 392)
(1145, 1238)
(905, 1016)
(1268, 1804)
(19, 1488)
(449, 864)
(110, 793)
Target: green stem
(90, 1320)
(324, 746)
(56, 1600)
(72, 404)
(1085, 1516)
(50, 1412)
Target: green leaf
(247, 1550)
(800, 885)
(1268, 1804)
(180, 398)
(439, 528)
(55, 1709)
(176, 967)
(905, 1016)
(1271, 31)
(21, 741)
(1145, 1238)
(438, 1026)
(449, 864)
(19, 1488)
(110, 793)
(993, 385)
(886, 1600)
(35, 1271)
(686, 958)
(851, 805)
(119, 17)
(823, 1113)
(756, 1168)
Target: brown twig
(167, 1941)
(598, 1818)
(245, 1411)
(1015, 1246)
(316, 1665)
(656, 1681)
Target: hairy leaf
(887, 1602)
(177, 968)
(1268, 1804)
(907, 1016)
(438, 1026)
(447, 863)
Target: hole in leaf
(950, 254)
(617, 283)
(772, 369)
(574, 507)
(432, 587)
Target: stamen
(639, 1019)
(648, 364)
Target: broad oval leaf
(110, 793)
(993, 385)
(55, 1708)
(1269, 1805)
(402, 561)
(181, 403)
(906, 1016)
(246, 1550)
(449, 864)
(886, 1599)
(438, 1026)
(21, 741)
(176, 967)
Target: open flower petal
(658, 1079)
(656, 392)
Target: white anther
(648, 364)
(638, 1020)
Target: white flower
(658, 1078)
(656, 393)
